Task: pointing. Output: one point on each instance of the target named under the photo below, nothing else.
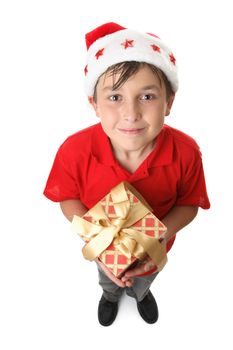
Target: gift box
(121, 230)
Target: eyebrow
(150, 87)
(143, 88)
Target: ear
(169, 105)
(93, 103)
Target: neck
(132, 159)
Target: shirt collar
(161, 155)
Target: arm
(177, 218)
(71, 207)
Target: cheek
(100, 110)
(107, 119)
(156, 115)
(108, 114)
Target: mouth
(132, 131)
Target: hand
(144, 266)
(126, 283)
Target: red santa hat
(111, 43)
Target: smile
(133, 131)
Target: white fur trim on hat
(128, 45)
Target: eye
(114, 98)
(147, 97)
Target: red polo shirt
(85, 168)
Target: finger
(129, 283)
(149, 266)
(134, 272)
(144, 267)
(119, 283)
(126, 279)
(114, 279)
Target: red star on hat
(128, 43)
(85, 70)
(155, 48)
(99, 53)
(172, 59)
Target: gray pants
(139, 289)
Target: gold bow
(118, 231)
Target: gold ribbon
(118, 231)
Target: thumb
(148, 266)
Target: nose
(132, 111)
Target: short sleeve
(62, 184)
(192, 187)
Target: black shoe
(107, 311)
(148, 308)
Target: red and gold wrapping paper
(120, 229)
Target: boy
(131, 81)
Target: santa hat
(111, 43)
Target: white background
(49, 293)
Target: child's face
(133, 115)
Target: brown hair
(128, 69)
